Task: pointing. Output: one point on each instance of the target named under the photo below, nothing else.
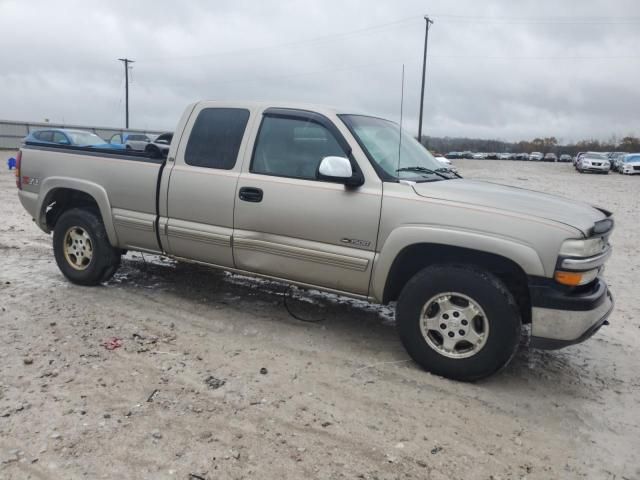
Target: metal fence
(12, 133)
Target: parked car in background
(536, 156)
(550, 157)
(479, 156)
(159, 147)
(593, 162)
(616, 159)
(576, 158)
(69, 137)
(565, 157)
(505, 156)
(492, 156)
(522, 156)
(630, 164)
(131, 141)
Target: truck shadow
(371, 326)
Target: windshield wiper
(422, 170)
(448, 170)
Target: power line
(319, 39)
(550, 20)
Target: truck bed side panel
(129, 183)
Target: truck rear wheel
(459, 322)
(81, 247)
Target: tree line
(545, 145)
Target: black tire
(154, 152)
(104, 260)
(500, 308)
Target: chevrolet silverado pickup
(341, 202)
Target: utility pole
(126, 62)
(424, 72)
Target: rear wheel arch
(414, 258)
(59, 199)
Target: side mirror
(338, 169)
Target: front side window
(138, 138)
(60, 138)
(216, 137)
(395, 156)
(293, 147)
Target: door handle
(250, 194)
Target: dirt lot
(335, 399)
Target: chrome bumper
(553, 328)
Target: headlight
(583, 247)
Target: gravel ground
(215, 378)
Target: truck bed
(124, 185)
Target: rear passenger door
(202, 185)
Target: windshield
(394, 159)
(85, 138)
(595, 156)
(632, 158)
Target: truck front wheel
(459, 322)
(81, 247)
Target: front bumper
(595, 168)
(561, 317)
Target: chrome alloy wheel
(78, 248)
(454, 325)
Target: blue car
(68, 137)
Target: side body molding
(405, 236)
(99, 194)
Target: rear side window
(290, 147)
(45, 136)
(216, 137)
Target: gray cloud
(497, 69)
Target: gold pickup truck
(341, 202)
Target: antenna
(401, 111)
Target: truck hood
(512, 199)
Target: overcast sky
(496, 69)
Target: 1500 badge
(355, 242)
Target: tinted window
(292, 148)
(45, 136)
(215, 138)
(165, 138)
(60, 138)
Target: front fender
(402, 237)
(98, 193)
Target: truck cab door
(290, 224)
(196, 220)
